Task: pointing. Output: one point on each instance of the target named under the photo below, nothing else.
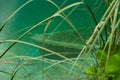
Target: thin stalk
(35, 26)
(74, 28)
(13, 14)
(66, 16)
(15, 71)
(107, 18)
(110, 45)
(103, 22)
(64, 3)
(94, 18)
(22, 78)
(40, 47)
(100, 24)
(18, 41)
(38, 24)
(45, 29)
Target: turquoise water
(32, 14)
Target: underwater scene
(59, 39)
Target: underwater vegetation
(69, 40)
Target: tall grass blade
(38, 24)
(15, 12)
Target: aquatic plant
(97, 55)
(108, 54)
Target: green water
(32, 14)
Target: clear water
(30, 15)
